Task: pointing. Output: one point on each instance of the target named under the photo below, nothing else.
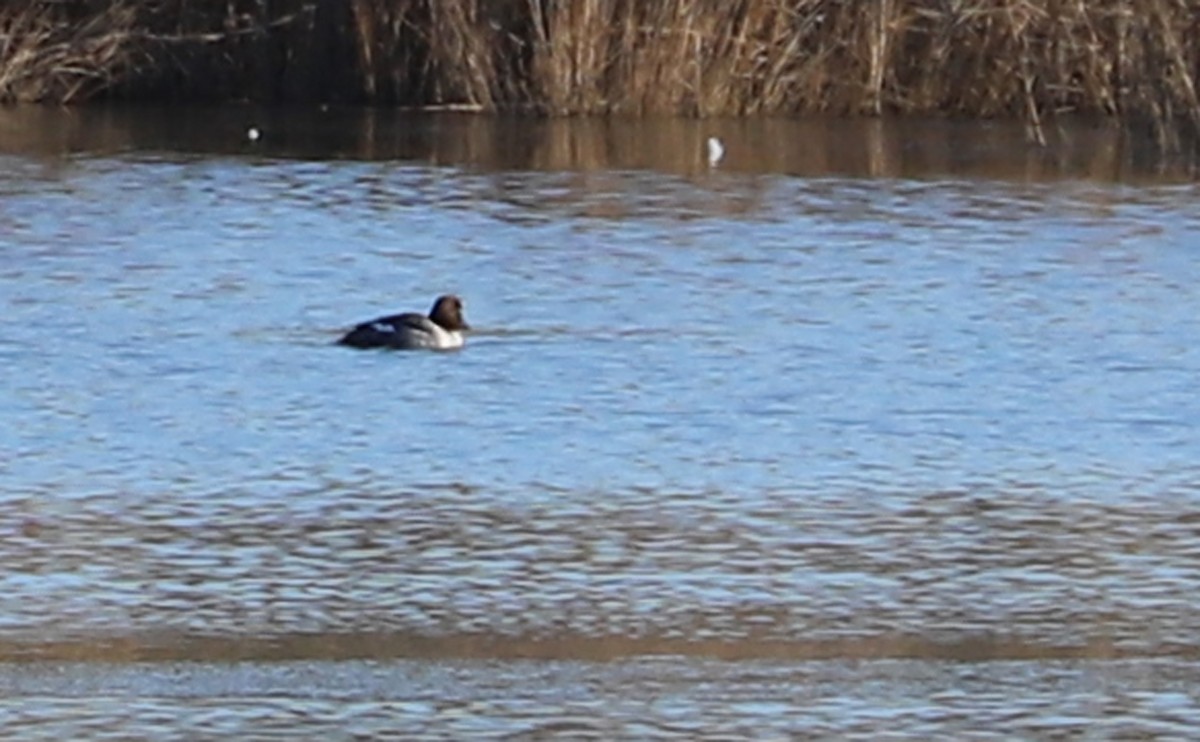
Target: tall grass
(1033, 59)
(49, 53)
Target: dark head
(448, 313)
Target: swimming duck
(442, 330)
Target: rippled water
(832, 428)
(642, 699)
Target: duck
(442, 329)
(716, 151)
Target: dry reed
(48, 55)
(1034, 59)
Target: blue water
(754, 413)
(170, 325)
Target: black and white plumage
(716, 151)
(442, 330)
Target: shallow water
(667, 698)
(894, 397)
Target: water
(875, 429)
(641, 699)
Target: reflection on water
(465, 574)
(460, 573)
(856, 148)
(734, 414)
(643, 699)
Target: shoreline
(1023, 61)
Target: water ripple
(739, 414)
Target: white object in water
(716, 151)
(253, 133)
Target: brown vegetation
(48, 54)
(1135, 59)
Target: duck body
(716, 151)
(442, 329)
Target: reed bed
(49, 52)
(1137, 60)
